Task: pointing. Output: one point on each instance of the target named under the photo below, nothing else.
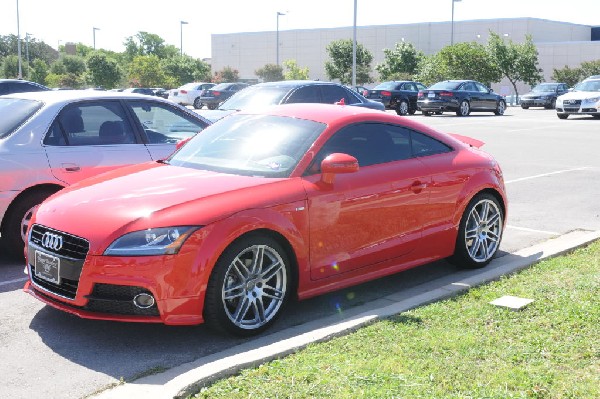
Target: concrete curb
(188, 378)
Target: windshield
(590, 85)
(256, 96)
(444, 86)
(545, 87)
(14, 113)
(250, 145)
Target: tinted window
(423, 145)
(163, 124)
(421, 86)
(387, 86)
(256, 96)
(445, 86)
(102, 123)
(333, 93)
(306, 94)
(481, 88)
(14, 113)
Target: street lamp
(181, 23)
(20, 74)
(27, 47)
(277, 37)
(452, 34)
(94, 34)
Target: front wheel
(248, 287)
(402, 108)
(480, 232)
(552, 104)
(500, 108)
(197, 103)
(464, 109)
(562, 116)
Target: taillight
(365, 93)
(217, 93)
(183, 91)
(421, 94)
(446, 94)
(386, 93)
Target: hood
(102, 209)
(216, 114)
(579, 95)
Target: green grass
(459, 348)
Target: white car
(52, 139)
(584, 99)
(189, 94)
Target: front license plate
(47, 267)
(431, 95)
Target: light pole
(452, 34)
(94, 34)
(27, 47)
(279, 13)
(181, 23)
(20, 74)
(354, 48)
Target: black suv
(400, 96)
(10, 86)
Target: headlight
(591, 100)
(159, 241)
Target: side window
(163, 124)
(102, 123)
(306, 94)
(481, 88)
(421, 86)
(332, 94)
(424, 145)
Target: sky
(60, 21)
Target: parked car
(400, 96)
(9, 86)
(544, 95)
(290, 91)
(584, 99)
(140, 90)
(52, 139)
(460, 96)
(221, 92)
(160, 92)
(323, 197)
(190, 93)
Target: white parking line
(546, 174)
(551, 233)
(17, 280)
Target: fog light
(143, 301)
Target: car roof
(57, 96)
(324, 113)
(294, 83)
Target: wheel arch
(50, 187)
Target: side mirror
(337, 163)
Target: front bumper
(536, 102)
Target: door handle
(70, 167)
(417, 187)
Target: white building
(559, 44)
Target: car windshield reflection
(250, 145)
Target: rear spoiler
(468, 140)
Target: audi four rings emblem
(52, 241)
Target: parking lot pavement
(187, 379)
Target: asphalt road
(551, 167)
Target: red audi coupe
(298, 199)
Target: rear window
(445, 86)
(14, 113)
(386, 86)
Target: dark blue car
(460, 96)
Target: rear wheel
(480, 232)
(524, 106)
(18, 218)
(426, 113)
(402, 108)
(248, 287)
(464, 109)
(212, 106)
(197, 103)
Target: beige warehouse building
(559, 44)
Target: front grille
(572, 102)
(573, 110)
(72, 255)
(118, 299)
(72, 247)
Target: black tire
(464, 109)
(524, 106)
(426, 113)
(197, 104)
(439, 112)
(479, 232)
(500, 108)
(17, 220)
(212, 106)
(402, 108)
(552, 104)
(562, 116)
(412, 111)
(251, 307)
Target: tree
(147, 71)
(589, 68)
(340, 66)
(227, 74)
(431, 69)
(185, 69)
(39, 71)
(567, 75)
(144, 43)
(103, 71)
(293, 71)
(10, 67)
(517, 62)
(270, 73)
(469, 61)
(399, 63)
